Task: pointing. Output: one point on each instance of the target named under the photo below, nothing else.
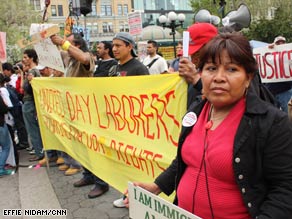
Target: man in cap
(124, 52)
(281, 90)
(123, 49)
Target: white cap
(40, 67)
(279, 38)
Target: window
(104, 27)
(109, 10)
(102, 10)
(54, 10)
(125, 9)
(126, 28)
(94, 28)
(107, 27)
(121, 27)
(60, 10)
(120, 9)
(36, 4)
(110, 27)
(106, 10)
(93, 8)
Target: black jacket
(262, 160)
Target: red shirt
(225, 196)
(18, 85)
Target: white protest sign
(49, 55)
(274, 64)
(186, 40)
(145, 205)
(135, 23)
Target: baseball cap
(40, 67)
(200, 34)
(126, 37)
(279, 38)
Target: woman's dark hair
(31, 53)
(237, 47)
(108, 45)
(78, 40)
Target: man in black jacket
(106, 59)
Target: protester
(154, 62)
(5, 140)
(123, 49)
(13, 158)
(175, 62)
(54, 156)
(105, 59)
(281, 90)
(79, 63)
(30, 59)
(247, 173)
(9, 71)
(105, 62)
(124, 52)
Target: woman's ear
(249, 79)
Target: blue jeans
(87, 175)
(69, 161)
(32, 126)
(5, 141)
(283, 99)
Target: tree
(269, 18)
(15, 19)
(266, 30)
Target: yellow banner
(120, 128)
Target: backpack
(13, 95)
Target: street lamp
(172, 19)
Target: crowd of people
(234, 161)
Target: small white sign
(135, 23)
(186, 41)
(145, 205)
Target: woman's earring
(245, 92)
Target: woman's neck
(217, 115)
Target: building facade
(109, 16)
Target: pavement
(48, 188)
